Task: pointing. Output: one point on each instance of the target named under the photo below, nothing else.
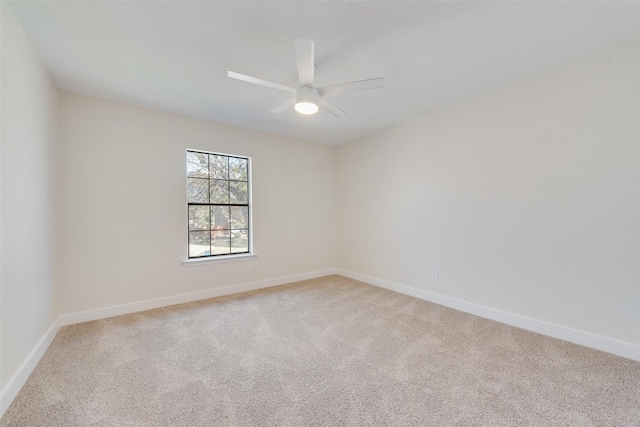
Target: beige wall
(122, 204)
(27, 194)
(526, 200)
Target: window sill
(217, 259)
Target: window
(218, 204)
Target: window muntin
(218, 196)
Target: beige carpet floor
(329, 351)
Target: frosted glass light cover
(306, 107)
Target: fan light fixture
(308, 98)
(305, 106)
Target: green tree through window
(218, 204)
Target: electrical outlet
(434, 276)
(249, 268)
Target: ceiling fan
(309, 98)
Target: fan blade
(332, 108)
(280, 108)
(359, 85)
(260, 82)
(306, 67)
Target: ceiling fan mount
(307, 98)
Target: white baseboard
(620, 348)
(10, 391)
(117, 310)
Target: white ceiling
(174, 55)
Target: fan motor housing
(305, 93)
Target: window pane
(197, 190)
(239, 241)
(218, 167)
(239, 217)
(237, 169)
(219, 191)
(220, 242)
(214, 182)
(199, 243)
(220, 217)
(197, 165)
(199, 218)
(238, 192)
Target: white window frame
(221, 258)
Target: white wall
(27, 170)
(122, 204)
(526, 200)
